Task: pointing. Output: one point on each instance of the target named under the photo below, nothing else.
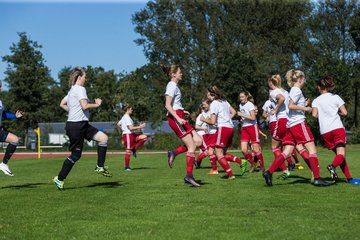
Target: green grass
(152, 202)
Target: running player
(249, 130)
(298, 132)
(178, 124)
(78, 128)
(131, 138)
(327, 108)
(8, 137)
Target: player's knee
(340, 145)
(75, 155)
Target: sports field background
(152, 202)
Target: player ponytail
(216, 92)
(275, 80)
(326, 83)
(292, 76)
(169, 69)
(75, 74)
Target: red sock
(338, 160)
(283, 166)
(248, 157)
(345, 169)
(261, 159)
(314, 164)
(294, 155)
(305, 155)
(127, 159)
(201, 156)
(213, 159)
(289, 161)
(190, 158)
(232, 158)
(181, 149)
(225, 165)
(139, 143)
(279, 160)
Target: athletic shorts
(180, 130)
(334, 137)
(3, 135)
(210, 140)
(77, 132)
(250, 133)
(280, 129)
(224, 137)
(272, 126)
(130, 139)
(298, 134)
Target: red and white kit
(225, 126)
(250, 129)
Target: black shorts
(77, 132)
(3, 135)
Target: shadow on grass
(27, 185)
(142, 168)
(100, 184)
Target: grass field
(152, 202)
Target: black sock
(11, 147)
(101, 154)
(66, 168)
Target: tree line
(236, 45)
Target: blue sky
(75, 33)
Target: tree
(29, 82)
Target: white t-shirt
(296, 116)
(246, 109)
(173, 91)
(267, 107)
(282, 110)
(124, 122)
(328, 105)
(211, 128)
(222, 110)
(76, 113)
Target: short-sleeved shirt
(246, 109)
(221, 108)
(267, 107)
(173, 91)
(125, 121)
(328, 105)
(282, 110)
(76, 113)
(296, 116)
(211, 128)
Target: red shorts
(250, 133)
(210, 140)
(298, 134)
(272, 127)
(180, 130)
(280, 129)
(224, 137)
(334, 137)
(130, 140)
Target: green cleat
(103, 171)
(284, 175)
(58, 183)
(243, 166)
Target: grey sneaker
(191, 180)
(59, 184)
(103, 171)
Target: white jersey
(76, 113)
(173, 91)
(211, 128)
(328, 105)
(221, 108)
(267, 107)
(282, 113)
(124, 122)
(246, 109)
(296, 116)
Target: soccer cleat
(5, 168)
(191, 180)
(268, 178)
(354, 181)
(291, 166)
(171, 158)
(59, 184)
(320, 183)
(103, 171)
(231, 177)
(213, 172)
(128, 169)
(134, 152)
(243, 166)
(332, 171)
(298, 166)
(284, 175)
